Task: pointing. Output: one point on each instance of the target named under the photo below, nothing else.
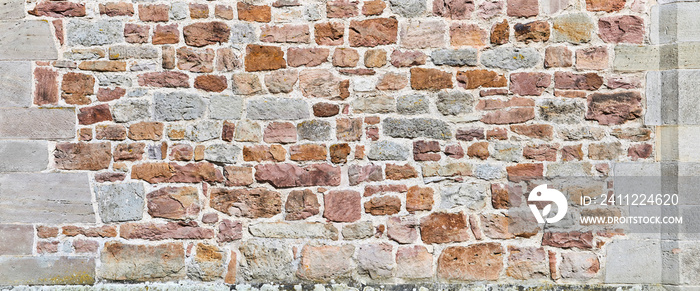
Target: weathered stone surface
(23, 156)
(288, 175)
(59, 198)
(621, 29)
(174, 203)
(298, 230)
(388, 150)
(412, 104)
(129, 262)
(527, 263)
(16, 90)
(359, 230)
(323, 263)
(162, 231)
(342, 206)
(473, 79)
(561, 111)
(264, 58)
(454, 103)
(178, 106)
(579, 265)
(16, 239)
(47, 270)
(321, 83)
(175, 173)
(510, 58)
(266, 260)
(537, 31)
(529, 84)
(120, 202)
(418, 34)
(402, 229)
(474, 262)
(557, 56)
(647, 268)
(573, 28)
(414, 262)
(37, 123)
(281, 81)
(468, 35)
(83, 32)
(376, 260)
(225, 107)
(442, 227)
(460, 57)
(314, 130)
(418, 127)
(83, 156)
(301, 204)
(373, 32)
(12, 9)
(614, 108)
(29, 40)
(277, 108)
(250, 203)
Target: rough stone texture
(178, 106)
(474, 262)
(573, 28)
(60, 198)
(23, 156)
(510, 58)
(129, 262)
(49, 270)
(37, 123)
(16, 92)
(120, 202)
(277, 108)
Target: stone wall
(346, 141)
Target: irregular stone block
(88, 33)
(120, 202)
(27, 40)
(418, 127)
(46, 198)
(510, 58)
(49, 270)
(277, 108)
(129, 262)
(301, 230)
(225, 107)
(37, 123)
(23, 156)
(178, 106)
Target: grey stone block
(510, 58)
(561, 110)
(416, 127)
(633, 261)
(120, 202)
(413, 104)
(121, 52)
(46, 198)
(675, 22)
(242, 33)
(131, 110)
(222, 153)
(454, 103)
(460, 57)
(37, 123)
(23, 156)
(16, 84)
(27, 40)
(507, 152)
(204, 130)
(89, 33)
(16, 239)
(470, 195)
(277, 108)
(225, 107)
(373, 103)
(408, 8)
(47, 270)
(178, 106)
(294, 230)
(632, 58)
(489, 172)
(179, 11)
(653, 98)
(315, 130)
(267, 261)
(388, 151)
(12, 9)
(114, 80)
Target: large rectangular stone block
(27, 40)
(37, 123)
(672, 97)
(46, 198)
(16, 239)
(636, 58)
(47, 270)
(676, 22)
(15, 84)
(623, 266)
(129, 262)
(23, 156)
(12, 9)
